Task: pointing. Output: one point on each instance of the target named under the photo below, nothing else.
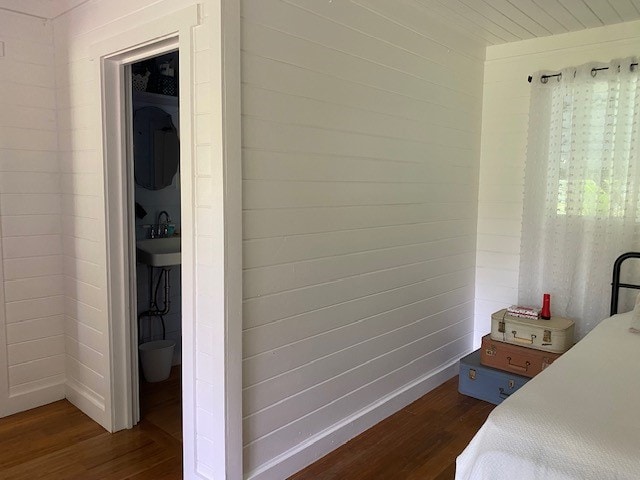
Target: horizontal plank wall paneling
(505, 122)
(83, 230)
(361, 141)
(31, 319)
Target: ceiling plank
(465, 12)
(583, 13)
(458, 22)
(499, 17)
(626, 10)
(517, 14)
(604, 11)
(557, 11)
(539, 15)
(636, 3)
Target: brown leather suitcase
(514, 358)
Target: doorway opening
(154, 158)
(125, 223)
(211, 271)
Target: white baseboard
(36, 397)
(43, 392)
(324, 442)
(87, 402)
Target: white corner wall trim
(324, 442)
(230, 100)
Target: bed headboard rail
(615, 282)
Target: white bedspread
(578, 419)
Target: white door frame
(4, 359)
(166, 34)
(120, 198)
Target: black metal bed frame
(615, 282)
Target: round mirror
(156, 148)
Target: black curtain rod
(544, 78)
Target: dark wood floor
(161, 404)
(420, 441)
(57, 441)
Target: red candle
(545, 314)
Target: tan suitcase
(554, 335)
(514, 358)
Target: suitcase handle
(528, 341)
(503, 394)
(519, 367)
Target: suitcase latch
(491, 351)
(512, 383)
(546, 337)
(472, 374)
(501, 328)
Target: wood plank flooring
(421, 441)
(57, 441)
(161, 404)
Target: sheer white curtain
(582, 188)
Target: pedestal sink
(159, 252)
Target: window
(582, 187)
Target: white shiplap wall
(32, 356)
(84, 248)
(361, 136)
(505, 121)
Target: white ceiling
(503, 21)
(40, 8)
(490, 21)
(58, 7)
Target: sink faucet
(166, 214)
(163, 228)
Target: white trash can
(156, 358)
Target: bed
(579, 419)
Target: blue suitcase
(486, 383)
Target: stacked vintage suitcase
(519, 347)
